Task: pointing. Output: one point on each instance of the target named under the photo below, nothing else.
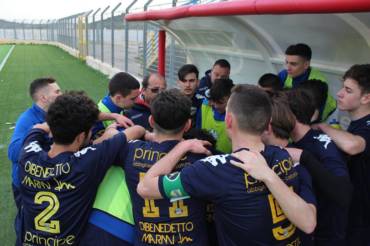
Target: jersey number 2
(41, 220)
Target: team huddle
(208, 163)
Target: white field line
(6, 57)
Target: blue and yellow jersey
(162, 222)
(57, 193)
(246, 213)
(105, 105)
(331, 219)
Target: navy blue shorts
(95, 236)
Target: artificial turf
(26, 63)
(4, 51)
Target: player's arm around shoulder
(347, 142)
(131, 133)
(148, 187)
(298, 211)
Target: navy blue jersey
(139, 114)
(359, 169)
(245, 211)
(331, 219)
(205, 83)
(196, 104)
(57, 193)
(161, 222)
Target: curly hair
(71, 114)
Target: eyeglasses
(156, 89)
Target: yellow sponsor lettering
(32, 239)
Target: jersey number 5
(41, 220)
(279, 232)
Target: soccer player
(318, 91)
(123, 91)
(163, 222)
(211, 116)
(112, 203)
(250, 208)
(43, 92)
(220, 70)
(354, 98)
(332, 217)
(298, 69)
(58, 186)
(270, 82)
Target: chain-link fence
(103, 34)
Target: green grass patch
(26, 63)
(4, 49)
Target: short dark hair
(221, 88)
(171, 110)
(201, 134)
(252, 108)
(302, 50)
(270, 80)
(360, 73)
(187, 69)
(318, 91)
(38, 84)
(301, 104)
(71, 114)
(222, 63)
(282, 119)
(122, 83)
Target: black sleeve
(336, 188)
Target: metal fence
(104, 35)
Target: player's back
(161, 222)
(245, 211)
(331, 218)
(57, 193)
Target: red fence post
(162, 52)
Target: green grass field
(26, 63)
(3, 51)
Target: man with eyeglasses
(152, 85)
(188, 83)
